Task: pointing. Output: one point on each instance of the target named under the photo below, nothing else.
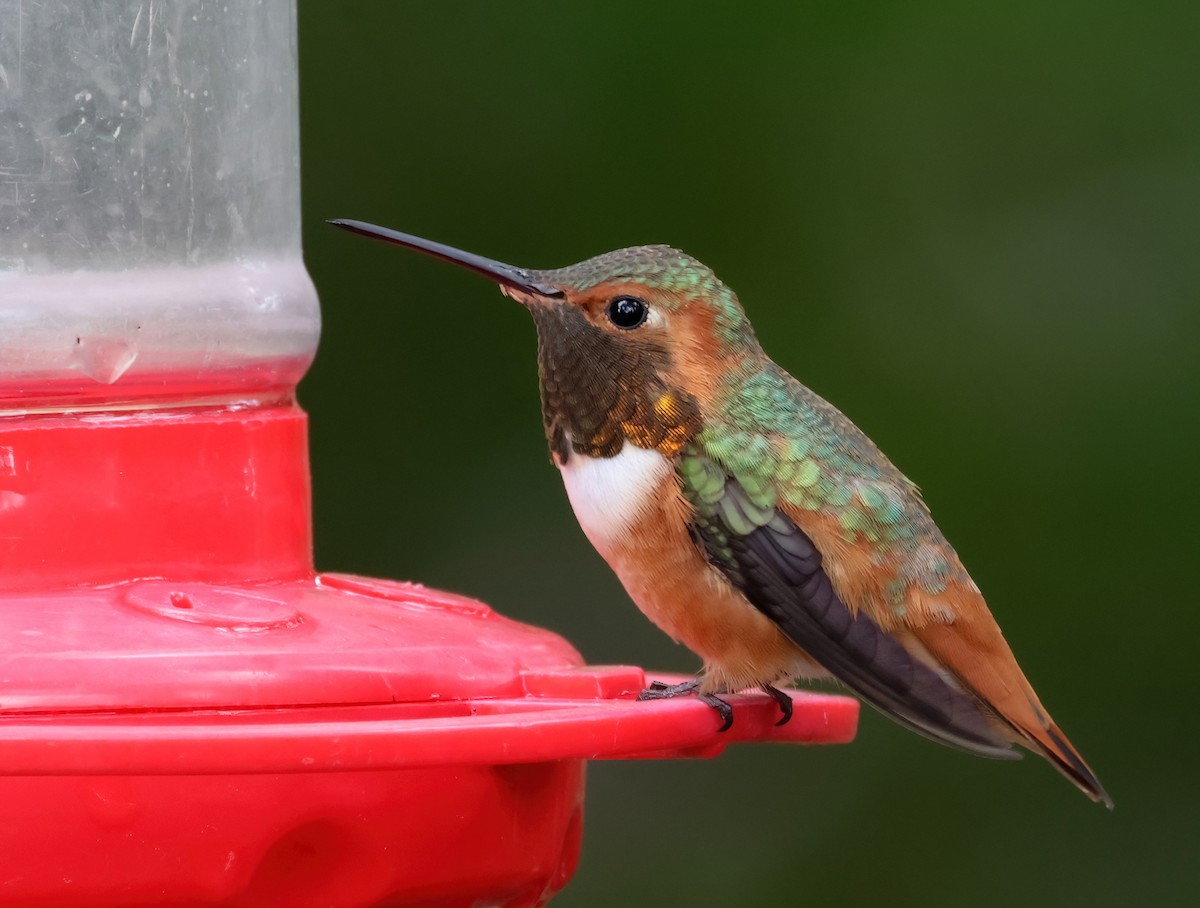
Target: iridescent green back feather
(785, 445)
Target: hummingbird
(750, 519)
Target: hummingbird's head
(631, 343)
(644, 303)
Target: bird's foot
(784, 701)
(659, 691)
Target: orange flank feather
(669, 580)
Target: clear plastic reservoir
(149, 203)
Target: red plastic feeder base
(233, 729)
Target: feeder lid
(162, 645)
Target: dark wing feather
(776, 566)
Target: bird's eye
(627, 311)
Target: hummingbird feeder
(189, 713)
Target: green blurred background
(974, 227)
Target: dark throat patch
(602, 389)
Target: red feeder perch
(188, 713)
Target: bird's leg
(784, 701)
(659, 691)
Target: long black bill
(509, 276)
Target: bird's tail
(1047, 739)
(975, 652)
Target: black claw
(784, 701)
(659, 691)
(724, 710)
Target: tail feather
(1051, 743)
(973, 649)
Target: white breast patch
(609, 494)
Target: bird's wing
(763, 551)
